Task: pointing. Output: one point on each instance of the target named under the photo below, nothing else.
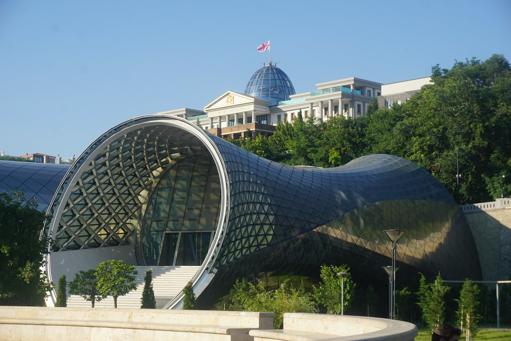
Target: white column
(330, 108)
(244, 117)
(310, 110)
(339, 110)
(211, 122)
(320, 111)
(253, 116)
(235, 119)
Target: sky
(71, 70)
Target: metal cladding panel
(272, 204)
(35, 181)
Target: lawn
(483, 334)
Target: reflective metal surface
(169, 189)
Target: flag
(264, 47)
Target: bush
(189, 298)
(148, 299)
(61, 292)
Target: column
(235, 119)
(253, 116)
(320, 111)
(244, 118)
(311, 114)
(211, 122)
(339, 111)
(329, 108)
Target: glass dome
(270, 84)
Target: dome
(270, 84)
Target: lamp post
(342, 274)
(388, 270)
(394, 235)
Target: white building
(270, 98)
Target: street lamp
(342, 274)
(394, 235)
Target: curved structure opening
(148, 192)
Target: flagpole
(269, 54)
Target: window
(279, 118)
(336, 109)
(346, 107)
(292, 116)
(230, 123)
(262, 119)
(240, 120)
(249, 119)
(369, 93)
(359, 108)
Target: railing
(498, 204)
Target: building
(400, 92)
(163, 194)
(39, 158)
(270, 99)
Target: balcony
(243, 130)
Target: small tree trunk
(115, 302)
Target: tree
(61, 292)
(189, 297)
(431, 300)
(21, 252)
(115, 278)
(259, 296)
(85, 284)
(148, 299)
(404, 304)
(329, 292)
(468, 308)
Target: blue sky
(71, 70)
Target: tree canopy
(115, 278)
(85, 284)
(21, 252)
(461, 122)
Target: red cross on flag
(264, 47)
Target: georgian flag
(264, 47)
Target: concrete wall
(70, 262)
(45, 324)
(335, 327)
(490, 224)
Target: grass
(483, 334)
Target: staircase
(168, 281)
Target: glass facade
(271, 84)
(182, 214)
(35, 181)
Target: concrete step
(168, 281)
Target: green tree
(189, 297)
(404, 301)
(61, 292)
(21, 252)
(468, 309)
(329, 292)
(258, 296)
(85, 284)
(115, 278)
(148, 299)
(431, 300)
